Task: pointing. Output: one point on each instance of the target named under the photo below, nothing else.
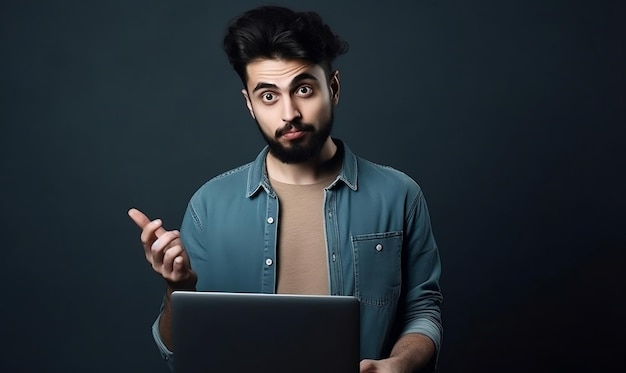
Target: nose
(290, 110)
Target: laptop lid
(244, 332)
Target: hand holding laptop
(165, 252)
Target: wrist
(188, 284)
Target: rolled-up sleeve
(166, 354)
(423, 297)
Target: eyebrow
(294, 82)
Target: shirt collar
(258, 179)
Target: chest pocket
(377, 267)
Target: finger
(149, 235)
(170, 254)
(138, 217)
(179, 264)
(166, 242)
(182, 271)
(366, 366)
(181, 268)
(176, 265)
(142, 220)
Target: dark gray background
(510, 115)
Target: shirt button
(379, 247)
(270, 220)
(269, 261)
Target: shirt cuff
(433, 331)
(428, 328)
(166, 354)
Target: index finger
(142, 220)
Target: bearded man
(345, 226)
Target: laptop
(277, 333)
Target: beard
(303, 149)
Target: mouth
(293, 131)
(293, 134)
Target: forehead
(280, 72)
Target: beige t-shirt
(302, 260)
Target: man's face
(292, 102)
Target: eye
(268, 97)
(304, 91)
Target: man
(345, 226)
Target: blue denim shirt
(379, 243)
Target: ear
(334, 87)
(244, 92)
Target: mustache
(296, 125)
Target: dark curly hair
(277, 32)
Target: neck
(301, 173)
